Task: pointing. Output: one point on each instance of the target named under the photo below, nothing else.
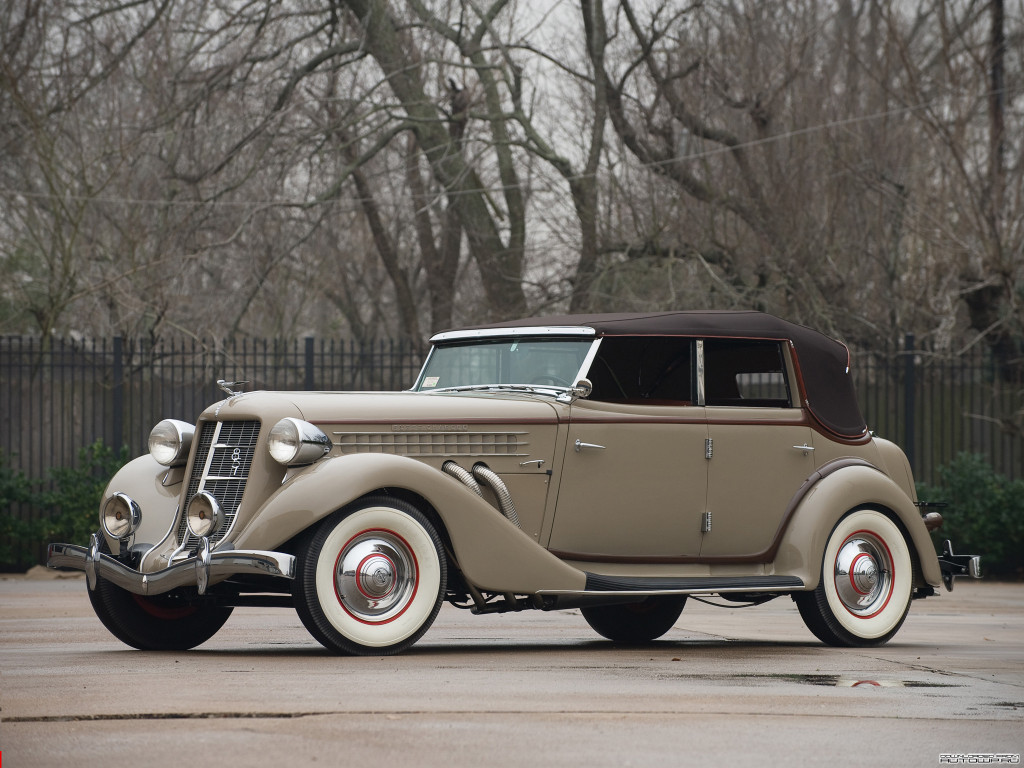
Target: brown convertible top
(824, 362)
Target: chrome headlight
(294, 442)
(203, 515)
(170, 441)
(120, 516)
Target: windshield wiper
(545, 389)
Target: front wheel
(372, 578)
(156, 623)
(635, 622)
(866, 582)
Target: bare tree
(377, 168)
(956, 79)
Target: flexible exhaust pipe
(463, 476)
(490, 478)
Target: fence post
(309, 364)
(118, 410)
(909, 401)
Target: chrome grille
(221, 467)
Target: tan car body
(587, 498)
(491, 552)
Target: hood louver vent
(427, 443)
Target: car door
(761, 446)
(633, 481)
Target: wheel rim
(863, 574)
(376, 576)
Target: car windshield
(517, 362)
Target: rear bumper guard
(957, 565)
(194, 571)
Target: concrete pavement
(724, 687)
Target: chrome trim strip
(190, 572)
(700, 373)
(588, 361)
(708, 590)
(488, 333)
(419, 376)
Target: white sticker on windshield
(431, 381)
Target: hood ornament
(232, 387)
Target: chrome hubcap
(863, 574)
(375, 576)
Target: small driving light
(170, 441)
(294, 442)
(203, 515)
(121, 516)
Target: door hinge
(709, 447)
(705, 522)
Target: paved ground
(725, 687)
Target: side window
(746, 373)
(644, 370)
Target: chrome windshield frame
(505, 333)
(498, 333)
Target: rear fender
(492, 553)
(828, 500)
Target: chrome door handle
(580, 445)
(805, 448)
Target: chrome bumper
(957, 565)
(193, 571)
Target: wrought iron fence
(59, 395)
(937, 406)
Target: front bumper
(194, 571)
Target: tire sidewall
(887, 619)
(153, 625)
(408, 620)
(635, 622)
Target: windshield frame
(460, 338)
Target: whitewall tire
(372, 578)
(867, 580)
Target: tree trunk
(500, 265)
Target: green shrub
(15, 490)
(68, 511)
(985, 515)
(75, 498)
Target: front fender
(492, 553)
(143, 480)
(803, 545)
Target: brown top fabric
(824, 362)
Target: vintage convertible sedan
(614, 464)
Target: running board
(633, 585)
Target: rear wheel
(866, 582)
(635, 622)
(154, 623)
(372, 578)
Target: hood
(391, 408)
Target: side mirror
(583, 388)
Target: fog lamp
(121, 516)
(203, 515)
